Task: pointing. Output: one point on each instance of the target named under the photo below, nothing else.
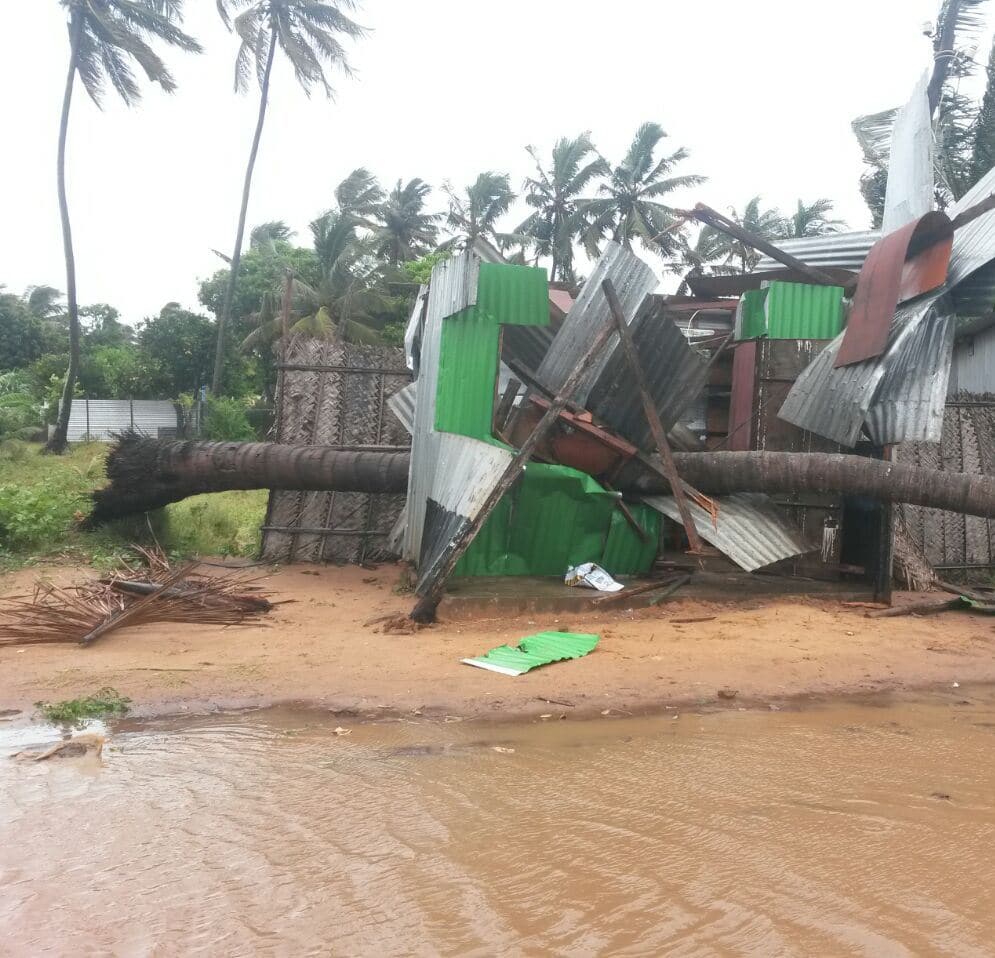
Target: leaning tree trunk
(236, 258)
(58, 440)
(148, 474)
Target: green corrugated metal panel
(554, 518)
(801, 311)
(514, 295)
(468, 352)
(754, 320)
(542, 648)
(625, 552)
(468, 366)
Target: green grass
(42, 499)
(77, 711)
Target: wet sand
(316, 650)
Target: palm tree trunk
(57, 442)
(147, 474)
(236, 258)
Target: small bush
(226, 421)
(75, 711)
(31, 516)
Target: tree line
(367, 252)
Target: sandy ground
(316, 650)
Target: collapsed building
(538, 429)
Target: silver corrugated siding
(402, 404)
(101, 419)
(909, 194)
(675, 375)
(834, 250)
(633, 281)
(750, 530)
(453, 288)
(973, 366)
(910, 398)
(835, 403)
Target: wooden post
(424, 610)
(506, 404)
(653, 418)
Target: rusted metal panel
(741, 403)
(901, 265)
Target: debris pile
(158, 593)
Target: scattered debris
(84, 612)
(534, 651)
(107, 701)
(342, 731)
(728, 693)
(568, 705)
(671, 584)
(592, 576)
(503, 749)
(89, 742)
(689, 620)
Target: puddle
(843, 830)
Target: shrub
(226, 421)
(31, 516)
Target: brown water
(820, 833)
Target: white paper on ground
(592, 576)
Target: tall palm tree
(769, 223)
(630, 203)
(106, 37)
(556, 195)
(307, 31)
(43, 301)
(476, 211)
(700, 259)
(815, 219)
(403, 230)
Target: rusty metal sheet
(744, 365)
(900, 266)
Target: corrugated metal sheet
(973, 366)
(835, 403)
(413, 331)
(555, 518)
(402, 405)
(675, 375)
(468, 366)
(840, 250)
(101, 419)
(749, 530)
(802, 311)
(909, 193)
(908, 403)
(974, 244)
(633, 281)
(535, 650)
(452, 289)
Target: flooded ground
(845, 830)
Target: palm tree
(43, 301)
(703, 258)
(267, 235)
(813, 220)
(475, 212)
(769, 224)
(556, 196)
(402, 230)
(629, 204)
(307, 31)
(105, 38)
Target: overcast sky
(761, 93)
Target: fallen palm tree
(146, 474)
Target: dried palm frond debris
(157, 593)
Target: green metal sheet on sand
(535, 650)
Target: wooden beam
(708, 216)
(652, 417)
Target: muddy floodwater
(856, 829)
